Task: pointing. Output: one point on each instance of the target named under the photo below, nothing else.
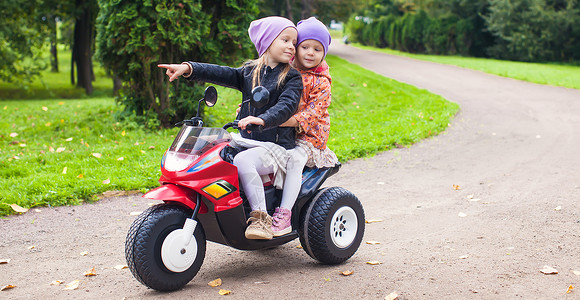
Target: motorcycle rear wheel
(332, 226)
(144, 243)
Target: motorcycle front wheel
(157, 253)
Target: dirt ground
(512, 150)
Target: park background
(85, 111)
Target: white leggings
(250, 167)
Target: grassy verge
(542, 73)
(60, 152)
(58, 85)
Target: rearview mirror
(260, 97)
(210, 96)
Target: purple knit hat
(264, 31)
(312, 29)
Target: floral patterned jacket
(313, 108)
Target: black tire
(332, 241)
(143, 247)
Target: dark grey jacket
(282, 105)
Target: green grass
(58, 85)
(369, 113)
(35, 172)
(542, 73)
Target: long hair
(259, 64)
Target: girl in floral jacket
(312, 120)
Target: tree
(21, 41)
(84, 13)
(134, 36)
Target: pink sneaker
(281, 221)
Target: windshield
(191, 143)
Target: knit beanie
(264, 31)
(312, 29)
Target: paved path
(514, 146)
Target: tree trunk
(53, 49)
(306, 9)
(289, 9)
(117, 85)
(82, 50)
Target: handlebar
(249, 127)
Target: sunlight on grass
(541, 73)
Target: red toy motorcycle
(203, 200)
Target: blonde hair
(259, 64)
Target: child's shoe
(281, 224)
(260, 226)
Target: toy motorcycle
(203, 200)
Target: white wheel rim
(343, 227)
(175, 254)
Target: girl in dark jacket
(275, 40)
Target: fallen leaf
(373, 242)
(80, 176)
(123, 133)
(31, 247)
(570, 288)
(224, 292)
(107, 181)
(215, 283)
(19, 209)
(261, 282)
(4, 261)
(558, 208)
(373, 220)
(380, 183)
(347, 273)
(14, 134)
(45, 108)
(61, 103)
(56, 282)
(121, 267)
(7, 287)
(392, 296)
(577, 273)
(374, 262)
(50, 149)
(151, 147)
(474, 200)
(548, 270)
(22, 145)
(84, 253)
(456, 187)
(64, 170)
(470, 196)
(73, 285)
(60, 149)
(299, 246)
(90, 272)
(97, 155)
(120, 158)
(463, 256)
(69, 139)
(135, 213)
(461, 215)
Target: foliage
(525, 30)
(133, 37)
(324, 10)
(535, 30)
(21, 41)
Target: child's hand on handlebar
(175, 70)
(243, 123)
